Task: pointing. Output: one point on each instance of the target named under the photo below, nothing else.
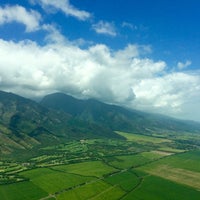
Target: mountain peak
(115, 117)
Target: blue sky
(143, 54)
(172, 28)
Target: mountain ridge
(25, 124)
(132, 120)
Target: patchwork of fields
(154, 170)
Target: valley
(137, 167)
(99, 100)
(65, 148)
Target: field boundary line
(110, 188)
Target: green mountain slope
(115, 117)
(25, 124)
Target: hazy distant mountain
(116, 117)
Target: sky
(141, 54)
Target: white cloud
(168, 94)
(182, 65)
(121, 77)
(53, 35)
(31, 19)
(65, 7)
(105, 28)
(129, 25)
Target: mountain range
(26, 124)
(116, 117)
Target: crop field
(126, 180)
(84, 192)
(112, 193)
(94, 190)
(53, 181)
(171, 150)
(181, 168)
(178, 175)
(142, 138)
(136, 160)
(93, 168)
(188, 161)
(140, 167)
(156, 188)
(23, 190)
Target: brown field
(182, 176)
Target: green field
(188, 161)
(91, 190)
(182, 168)
(142, 138)
(139, 167)
(126, 180)
(155, 188)
(112, 193)
(93, 168)
(23, 190)
(124, 162)
(179, 175)
(171, 150)
(53, 181)
(85, 192)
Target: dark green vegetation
(75, 152)
(116, 117)
(25, 124)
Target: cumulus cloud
(106, 28)
(182, 65)
(30, 18)
(65, 7)
(121, 77)
(168, 93)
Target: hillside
(25, 124)
(116, 117)
(70, 151)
